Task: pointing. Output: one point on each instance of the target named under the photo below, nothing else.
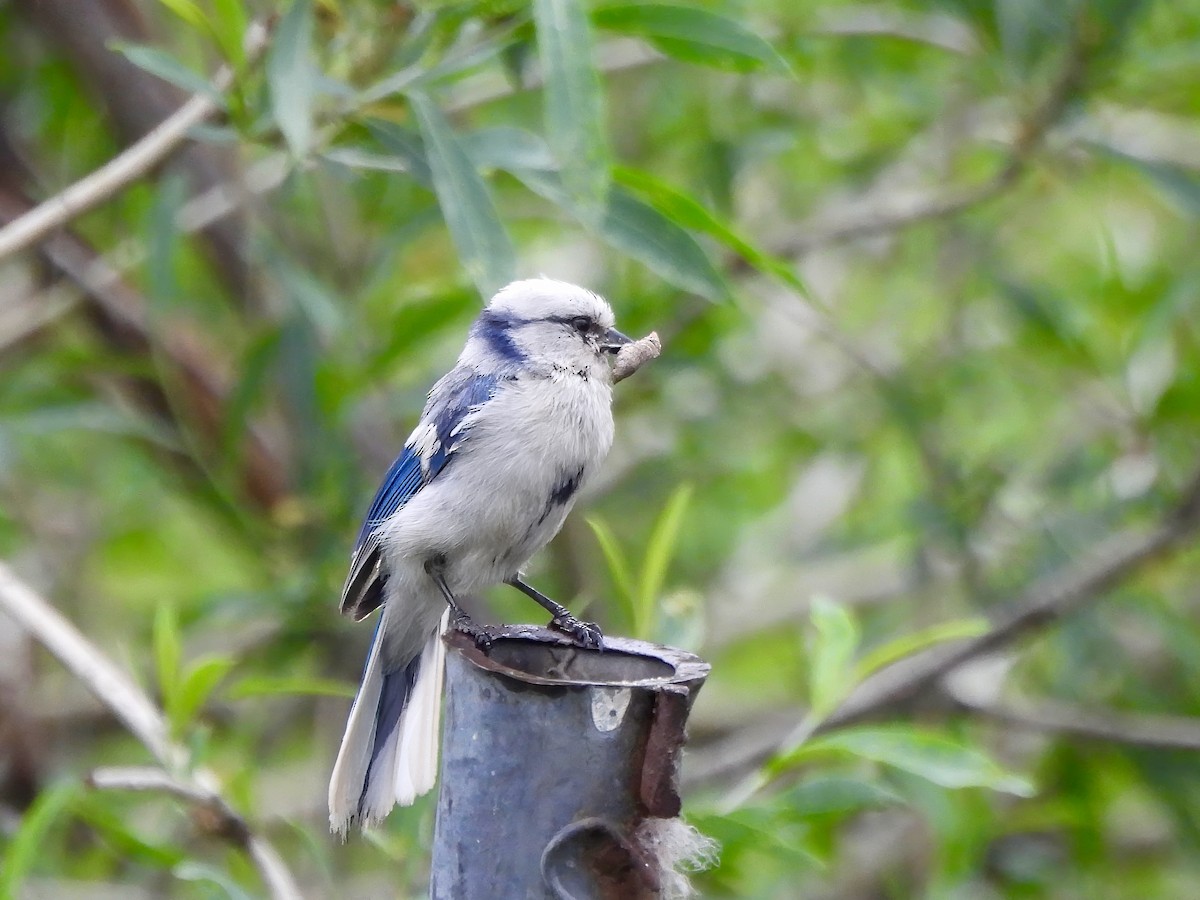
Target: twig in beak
(636, 354)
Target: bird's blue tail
(389, 752)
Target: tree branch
(135, 102)
(1030, 133)
(116, 690)
(1159, 732)
(122, 170)
(1045, 603)
(112, 687)
(120, 314)
(224, 820)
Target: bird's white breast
(493, 507)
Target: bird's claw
(478, 633)
(585, 634)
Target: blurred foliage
(925, 277)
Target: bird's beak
(614, 341)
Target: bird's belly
(505, 493)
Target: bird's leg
(435, 568)
(586, 634)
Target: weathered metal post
(557, 763)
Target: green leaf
(163, 243)
(771, 830)
(459, 64)
(420, 323)
(168, 650)
(271, 685)
(628, 224)
(906, 645)
(195, 687)
(681, 619)
(358, 158)
(89, 416)
(187, 10)
(122, 836)
(693, 35)
(508, 148)
(574, 104)
(665, 248)
(831, 655)
(190, 870)
(229, 26)
(254, 370)
(931, 756)
(291, 76)
(483, 245)
(320, 306)
(618, 566)
(396, 83)
(169, 69)
(1179, 186)
(28, 845)
(643, 233)
(687, 212)
(406, 145)
(1029, 29)
(660, 547)
(839, 795)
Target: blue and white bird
(507, 439)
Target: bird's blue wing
(403, 479)
(440, 432)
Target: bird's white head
(546, 325)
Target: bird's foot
(585, 634)
(480, 634)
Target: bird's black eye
(582, 324)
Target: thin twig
(25, 317)
(121, 315)
(1159, 732)
(111, 685)
(122, 170)
(938, 207)
(148, 778)
(1044, 604)
(1030, 133)
(636, 354)
(118, 692)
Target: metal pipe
(554, 760)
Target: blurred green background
(927, 280)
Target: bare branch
(1029, 134)
(135, 102)
(25, 316)
(120, 314)
(147, 778)
(929, 209)
(1044, 604)
(112, 687)
(117, 691)
(1139, 730)
(123, 169)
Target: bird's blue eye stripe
(496, 329)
